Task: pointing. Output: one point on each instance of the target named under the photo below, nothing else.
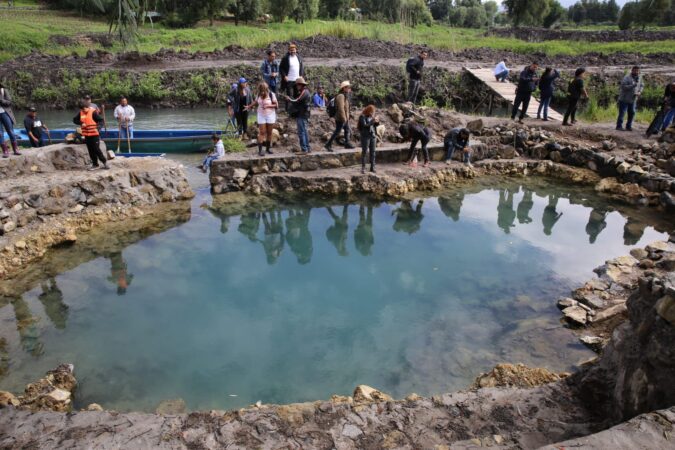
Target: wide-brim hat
(300, 80)
(32, 109)
(344, 84)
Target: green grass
(23, 31)
(594, 113)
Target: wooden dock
(507, 91)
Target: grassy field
(23, 31)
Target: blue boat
(144, 141)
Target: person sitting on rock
(217, 153)
(319, 99)
(669, 106)
(416, 133)
(34, 127)
(342, 115)
(457, 139)
(501, 72)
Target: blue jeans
(543, 105)
(123, 132)
(208, 160)
(302, 133)
(501, 76)
(670, 115)
(623, 107)
(8, 125)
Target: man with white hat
(341, 116)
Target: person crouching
(416, 133)
(89, 120)
(457, 139)
(367, 127)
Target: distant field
(23, 31)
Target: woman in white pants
(266, 102)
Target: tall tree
(491, 9)
(527, 12)
(280, 9)
(555, 14)
(306, 10)
(331, 9)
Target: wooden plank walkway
(508, 91)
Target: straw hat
(300, 80)
(344, 84)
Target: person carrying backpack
(338, 107)
(414, 68)
(575, 90)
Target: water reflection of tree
(363, 234)
(118, 273)
(338, 232)
(408, 219)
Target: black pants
(38, 143)
(291, 90)
(242, 121)
(413, 148)
(339, 126)
(523, 98)
(571, 109)
(368, 145)
(94, 148)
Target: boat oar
(48, 135)
(128, 137)
(105, 123)
(119, 135)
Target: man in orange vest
(89, 121)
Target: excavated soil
(532, 34)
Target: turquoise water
(286, 301)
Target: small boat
(144, 141)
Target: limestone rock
(8, 399)
(595, 343)
(475, 126)
(367, 394)
(665, 308)
(609, 312)
(575, 314)
(566, 303)
(94, 407)
(518, 375)
(395, 113)
(171, 407)
(8, 226)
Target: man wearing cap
(341, 116)
(290, 68)
(34, 127)
(301, 111)
(239, 98)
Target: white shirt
(500, 68)
(219, 151)
(293, 68)
(125, 112)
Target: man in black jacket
(414, 68)
(416, 133)
(527, 83)
(291, 68)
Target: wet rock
(639, 253)
(8, 399)
(665, 308)
(171, 407)
(94, 407)
(609, 313)
(575, 314)
(51, 393)
(595, 343)
(566, 303)
(367, 394)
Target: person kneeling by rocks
(416, 132)
(89, 120)
(217, 153)
(457, 139)
(367, 127)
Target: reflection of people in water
(633, 231)
(363, 234)
(298, 236)
(408, 219)
(27, 327)
(337, 233)
(524, 207)
(506, 216)
(451, 205)
(596, 223)
(551, 216)
(118, 273)
(249, 225)
(273, 242)
(52, 300)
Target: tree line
(123, 15)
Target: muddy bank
(48, 197)
(532, 34)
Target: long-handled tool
(49, 136)
(128, 137)
(105, 122)
(119, 135)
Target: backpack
(330, 108)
